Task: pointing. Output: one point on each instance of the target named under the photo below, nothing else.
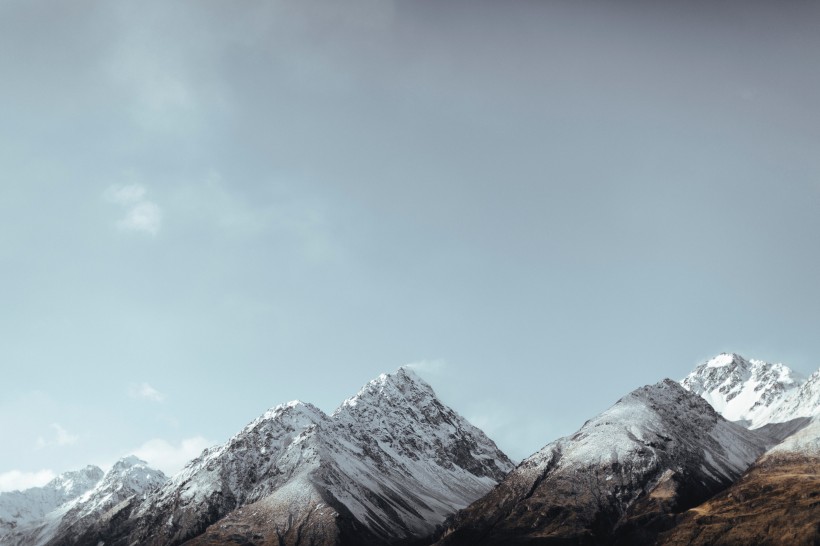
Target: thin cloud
(16, 480)
(168, 457)
(141, 214)
(60, 438)
(145, 391)
(435, 366)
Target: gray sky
(209, 208)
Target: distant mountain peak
(747, 390)
(129, 461)
(727, 359)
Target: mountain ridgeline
(730, 455)
(387, 467)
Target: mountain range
(728, 455)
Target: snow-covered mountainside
(754, 392)
(61, 525)
(805, 402)
(658, 450)
(19, 510)
(130, 477)
(387, 466)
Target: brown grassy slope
(777, 502)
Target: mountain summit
(657, 451)
(387, 466)
(754, 392)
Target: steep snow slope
(387, 466)
(19, 510)
(805, 402)
(658, 450)
(752, 391)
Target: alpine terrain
(66, 506)
(387, 467)
(620, 478)
(778, 500)
(730, 455)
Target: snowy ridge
(754, 391)
(805, 402)
(129, 476)
(649, 425)
(21, 510)
(392, 462)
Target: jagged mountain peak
(75, 482)
(129, 474)
(743, 389)
(727, 360)
(389, 464)
(390, 388)
(294, 411)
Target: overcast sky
(209, 208)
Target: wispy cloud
(428, 366)
(61, 437)
(141, 214)
(145, 391)
(168, 457)
(18, 480)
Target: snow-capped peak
(76, 482)
(130, 474)
(403, 384)
(726, 359)
(392, 461)
(293, 410)
(752, 391)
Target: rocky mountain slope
(387, 467)
(622, 476)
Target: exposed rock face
(387, 467)
(620, 478)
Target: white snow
(753, 391)
(388, 454)
(647, 425)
